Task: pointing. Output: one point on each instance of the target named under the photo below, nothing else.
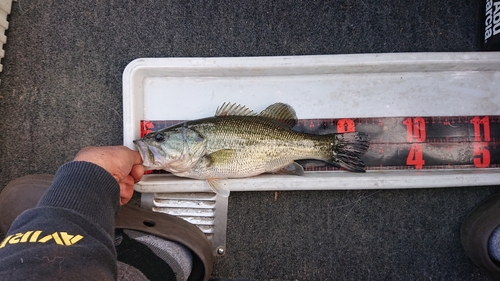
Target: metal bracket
(208, 211)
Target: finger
(127, 183)
(137, 172)
(125, 199)
(126, 190)
(137, 158)
(132, 155)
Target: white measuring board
(326, 86)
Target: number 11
(485, 121)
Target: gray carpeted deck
(61, 90)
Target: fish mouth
(148, 157)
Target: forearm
(69, 236)
(94, 193)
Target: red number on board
(415, 129)
(145, 127)
(481, 155)
(416, 156)
(345, 126)
(485, 121)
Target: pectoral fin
(218, 187)
(291, 169)
(221, 157)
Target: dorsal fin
(233, 109)
(281, 112)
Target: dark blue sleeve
(69, 235)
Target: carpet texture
(61, 90)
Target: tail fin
(348, 149)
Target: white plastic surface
(330, 86)
(5, 7)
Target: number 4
(416, 156)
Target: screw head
(220, 251)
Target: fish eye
(159, 137)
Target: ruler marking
(437, 142)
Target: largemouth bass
(238, 143)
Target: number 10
(415, 130)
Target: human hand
(124, 164)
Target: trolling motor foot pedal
(206, 210)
